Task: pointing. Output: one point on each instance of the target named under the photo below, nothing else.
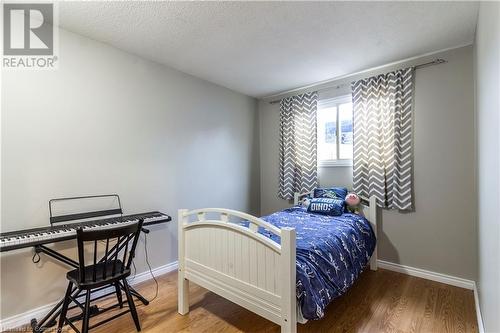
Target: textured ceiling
(260, 48)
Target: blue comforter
(332, 251)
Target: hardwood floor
(381, 301)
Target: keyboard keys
(27, 238)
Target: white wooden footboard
(238, 263)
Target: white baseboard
(25, 318)
(480, 325)
(438, 277)
(424, 274)
(144, 276)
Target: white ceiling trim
(333, 82)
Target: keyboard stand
(52, 316)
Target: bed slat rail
(225, 214)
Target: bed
(286, 267)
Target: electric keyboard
(60, 232)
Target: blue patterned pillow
(330, 192)
(327, 206)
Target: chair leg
(64, 309)
(119, 294)
(131, 305)
(86, 313)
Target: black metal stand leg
(51, 253)
(64, 310)
(50, 318)
(136, 294)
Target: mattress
(332, 251)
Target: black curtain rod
(430, 63)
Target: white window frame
(335, 102)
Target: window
(335, 132)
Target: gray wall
(440, 235)
(105, 122)
(487, 58)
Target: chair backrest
(123, 236)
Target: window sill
(335, 163)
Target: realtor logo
(29, 32)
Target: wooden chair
(112, 269)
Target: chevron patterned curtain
(382, 107)
(298, 145)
